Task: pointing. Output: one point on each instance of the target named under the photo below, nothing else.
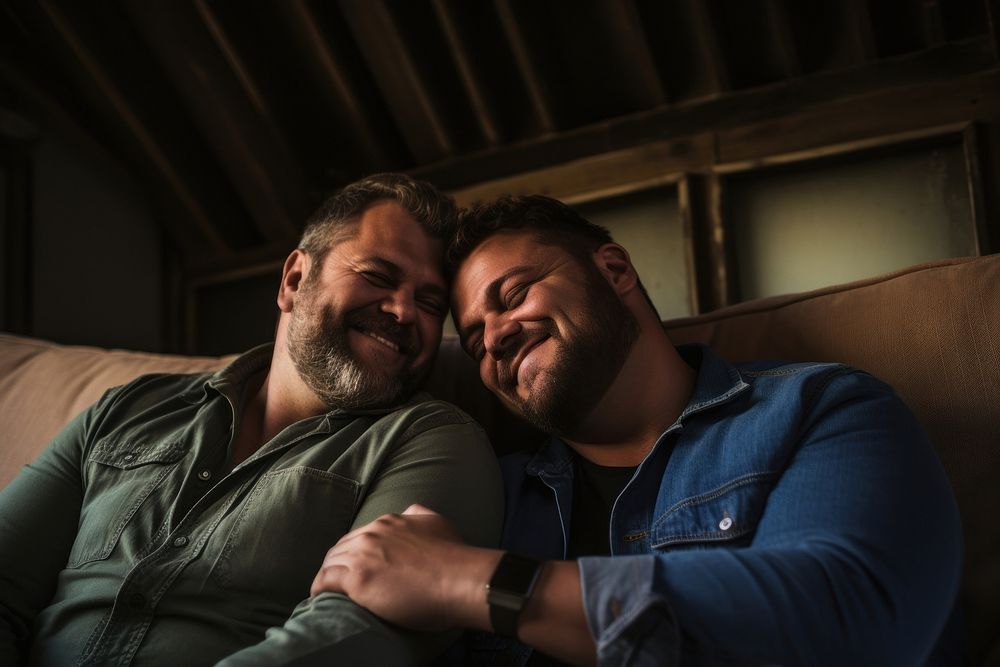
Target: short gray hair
(432, 209)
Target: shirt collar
(230, 381)
(717, 382)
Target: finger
(330, 578)
(417, 508)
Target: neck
(647, 396)
(281, 399)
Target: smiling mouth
(392, 345)
(515, 367)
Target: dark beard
(584, 366)
(319, 349)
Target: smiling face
(548, 331)
(366, 323)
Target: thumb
(417, 508)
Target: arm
(451, 468)
(857, 555)
(39, 512)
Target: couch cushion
(44, 385)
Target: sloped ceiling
(240, 115)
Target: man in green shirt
(182, 517)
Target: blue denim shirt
(793, 514)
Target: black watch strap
(509, 589)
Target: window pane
(810, 225)
(648, 224)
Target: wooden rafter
(334, 82)
(119, 108)
(474, 86)
(396, 73)
(265, 174)
(541, 105)
(626, 28)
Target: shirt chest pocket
(274, 542)
(120, 477)
(726, 514)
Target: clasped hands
(412, 569)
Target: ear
(613, 261)
(295, 271)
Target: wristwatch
(509, 589)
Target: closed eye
(434, 306)
(515, 296)
(378, 279)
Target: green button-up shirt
(129, 539)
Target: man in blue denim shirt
(686, 510)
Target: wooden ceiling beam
(419, 120)
(473, 84)
(860, 30)
(246, 142)
(334, 82)
(993, 12)
(784, 39)
(625, 26)
(198, 234)
(710, 48)
(946, 63)
(541, 105)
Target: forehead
(386, 231)
(496, 257)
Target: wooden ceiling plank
(247, 144)
(784, 39)
(861, 31)
(540, 103)
(746, 108)
(335, 83)
(711, 50)
(124, 113)
(382, 45)
(625, 27)
(473, 84)
(228, 51)
(932, 23)
(993, 12)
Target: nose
(498, 333)
(401, 305)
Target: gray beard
(321, 354)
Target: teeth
(387, 343)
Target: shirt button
(726, 523)
(128, 457)
(137, 601)
(180, 541)
(205, 475)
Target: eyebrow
(393, 269)
(491, 291)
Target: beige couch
(932, 331)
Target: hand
(411, 569)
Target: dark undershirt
(595, 489)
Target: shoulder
(424, 413)
(804, 384)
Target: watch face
(515, 574)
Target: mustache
(384, 326)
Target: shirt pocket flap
(725, 513)
(128, 454)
